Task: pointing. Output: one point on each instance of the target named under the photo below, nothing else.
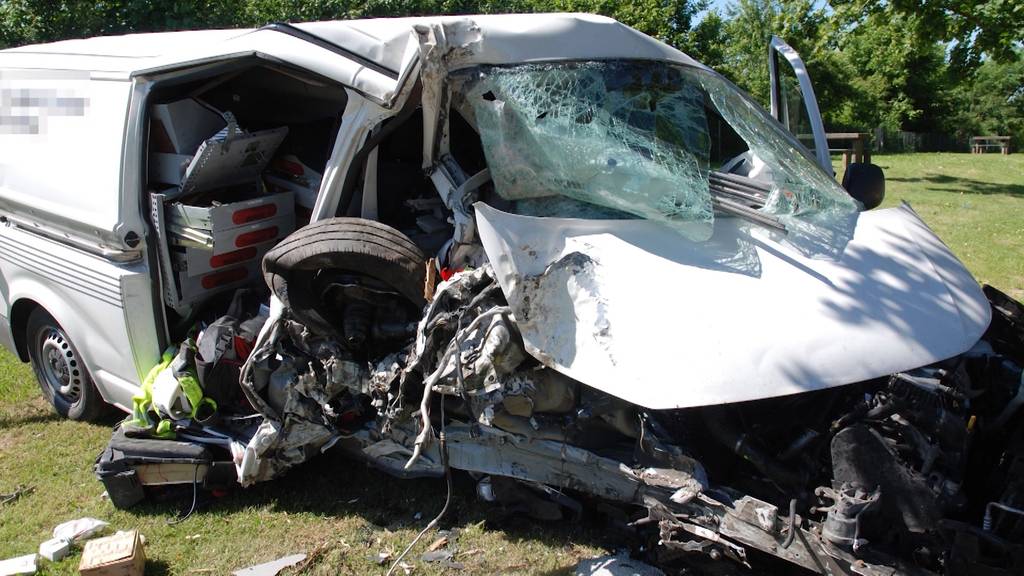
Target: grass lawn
(975, 203)
(348, 513)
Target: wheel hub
(60, 365)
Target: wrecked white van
(545, 249)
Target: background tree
(974, 27)
(992, 102)
(897, 78)
(804, 25)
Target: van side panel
(105, 308)
(61, 144)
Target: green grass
(344, 509)
(975, 203)
(349, 512)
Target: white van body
(72, 155)
(77, 241)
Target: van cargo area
(234, 161)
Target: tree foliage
(992, 102)
(896, 77)
(975, 27)
(804, 25)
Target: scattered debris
(20, 565)
(19, 491)
(437, 555)
(119, 555)
(55, 549)
(438, 544)
(314, 556)
(78, 530)
(382, 557)
(615, 565)
(271, 568)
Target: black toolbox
(128, 465)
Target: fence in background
(919, 142)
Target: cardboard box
(117, 555)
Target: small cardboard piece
(118, 555)
(271, 568)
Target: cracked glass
(638, 139)
(623, 137)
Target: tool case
(128, 465)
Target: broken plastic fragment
(618, 565)
(270, 568)
(78, 530)
(20, 565)
(55, 549)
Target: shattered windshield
(660, 141)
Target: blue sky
(719, 5)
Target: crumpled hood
(632, 309)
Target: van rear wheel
(62, 375)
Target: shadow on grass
(334, 486)
(157, 567)
(965, 185)
(11, 421)
(36, 410)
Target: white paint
(387, 42)
(656, 322)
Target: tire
(365, 247)
(60, 371)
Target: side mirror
(866, 183)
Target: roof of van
(383, 46)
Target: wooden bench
(856, 151)
(982, 144)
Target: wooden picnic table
(981, 144)
(857, 150)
